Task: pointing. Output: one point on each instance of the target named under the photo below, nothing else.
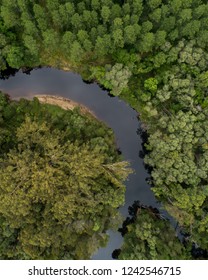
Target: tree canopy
(60, 186)
(148, 236)
(153, 54)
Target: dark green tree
(147, 236)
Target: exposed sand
(64, 103)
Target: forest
(46, 184)
(150, 53)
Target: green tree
(9, 13)
(147, 42)
(129, 34)
(54, 188)
(117, 37)
(76, 21)
(153, 4)
(105, 13)
(117, 78)
(39, 14)
(15, 56)
(50, 40)
(32, 45)
(67, 40)
(103, 45)
(76, 51)
(149, 237)
(151, 84)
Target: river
(114, 112)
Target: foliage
(151, 53)
(147, 236)
(115, 78)
(60, 185)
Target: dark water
(115, 113)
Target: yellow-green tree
(57, 200)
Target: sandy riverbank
(64, 103)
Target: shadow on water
(7, 73)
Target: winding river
(114, 112)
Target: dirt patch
(64, 103)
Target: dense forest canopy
(60, 182)
(151, 53)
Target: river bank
(64, 103)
